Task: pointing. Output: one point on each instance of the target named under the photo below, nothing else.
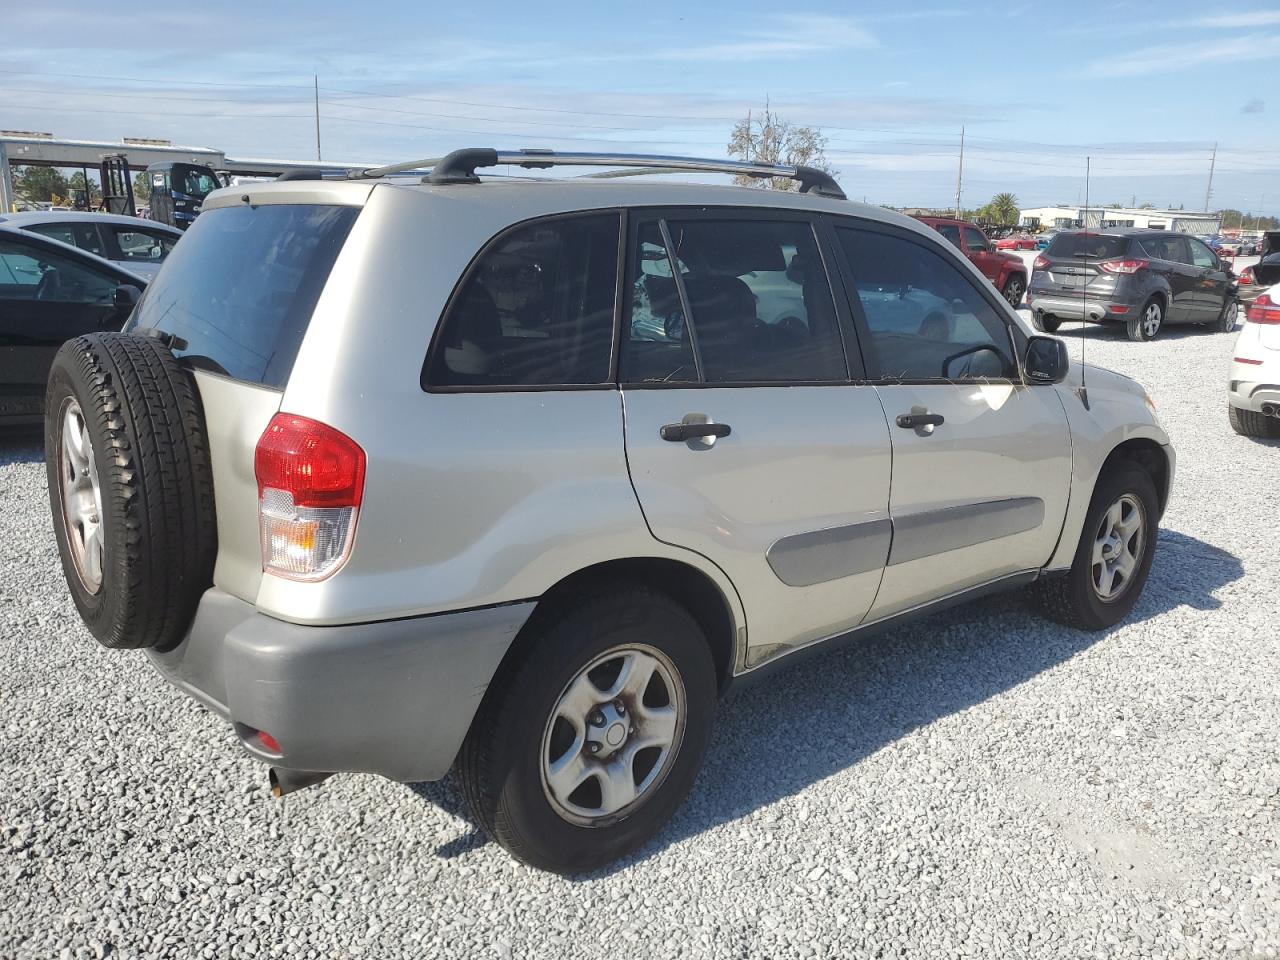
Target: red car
(1021, 241)
(1005, 270)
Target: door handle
(679, 432)
(909, 421)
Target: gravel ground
(980, 784)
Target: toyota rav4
(401, 475)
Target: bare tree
(767, 138)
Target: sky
(1144, 90)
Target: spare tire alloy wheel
(130, 488)
(611, 737)
(81, 496)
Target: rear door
(981, 462)
(1171, 258)
(747, 438)
(46, 298)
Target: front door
(982, 253)
(1212, 283)
(981, 462)
(45, 300)
(746, 438)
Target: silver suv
(514, 477)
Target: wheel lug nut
(597, 719)
(593, 747)
(617, 705)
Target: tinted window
(82, 235)
(927, 321)
(974, 240)
(1171, 248)
(950, 231)
(537, 309)
(143, 245)
(32, 273)
(241, 286)
(1201, 255)
(656, 347)
(1095, 246)
(759, 301)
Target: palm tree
(1004, 208)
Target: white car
(138, 245)
(1254, 391)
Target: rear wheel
(1014, 288)
(1147, 323)
(1250, 423)
(1045, 323)
(1114, 554)
(586, 746)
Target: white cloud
(1251, 18)
(790, 35)
(1174, 57)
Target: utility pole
(1213, 158)
(960, 173)
(316, 78)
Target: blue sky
(1144, 89)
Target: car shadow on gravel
(21, 445)
(829, 712)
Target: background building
(1182, 221)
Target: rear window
(1069, 246)
(241, 286)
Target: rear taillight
(1040, 262)
(310, 484)
(1246, 275)
(1263, 310)
(1124, 266)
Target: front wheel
(1113, 557)
(1146, 324)
(1227, 319)
(585, 747)
(1013, 290)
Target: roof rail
(460, 167)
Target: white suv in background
(515, 476)
(1253, 393)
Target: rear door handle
(679, 432)
(909, 421)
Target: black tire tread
(1251, 423)
(158, 474)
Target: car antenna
(1083, 391)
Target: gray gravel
(981, 784)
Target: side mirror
(126, 297)
(1046, 360)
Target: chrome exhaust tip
(284, 780)
(1270, 410)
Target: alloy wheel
(81, 497)
(1013, 292)
(1151, 318)
(1118, 547)
(612, 735)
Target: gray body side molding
(821, 555)
(924, 534)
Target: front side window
(758, 300)
(143, 245)
(974, 241)
(32, 273)
(927, 321)
(1201, 255)
(536, 309)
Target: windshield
(195, 181)
(241, 286)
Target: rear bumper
(1248, 394)
(393, 698)
(1073, 308)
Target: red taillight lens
(1040, 262)
(1246, 276)
(310, 484)
(317, 464)
(1124, 266)
(1263, 310)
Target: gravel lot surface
(981, 784)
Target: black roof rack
(460, 167)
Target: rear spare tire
(130, 487)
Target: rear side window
(536, 309)
(951, 232)
(1069, 246)
(241, 287)
(758, 299)
(1170, 248)
(82, 235)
